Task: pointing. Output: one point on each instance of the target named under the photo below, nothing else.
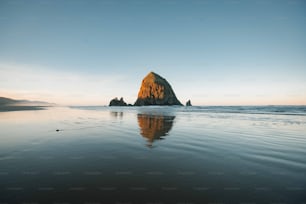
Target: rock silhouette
(155, 90)
(188, 103)
(154, 127)
(116, 102)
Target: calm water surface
(154, 155)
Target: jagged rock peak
(117, 102)
(188, 103)
(155, 90)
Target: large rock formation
(155, 90)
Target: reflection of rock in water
(117, 114)
(154, 127)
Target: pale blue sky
(212, 52)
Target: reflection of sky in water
(106, 148)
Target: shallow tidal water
(154, 155)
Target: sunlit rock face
(155, 90)
(154, 127)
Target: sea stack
(117, 102)
(188, 103)
(155, 90)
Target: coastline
(21, 108)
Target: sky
(218, 52)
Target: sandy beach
(131, 154)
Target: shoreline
(21, 108)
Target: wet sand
(20, 108)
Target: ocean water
(244, 154)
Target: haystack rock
(155, 90)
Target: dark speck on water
(196, 154)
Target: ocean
(198, 154)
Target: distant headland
(8, 104)
(154, 90)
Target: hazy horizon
(211, 52)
